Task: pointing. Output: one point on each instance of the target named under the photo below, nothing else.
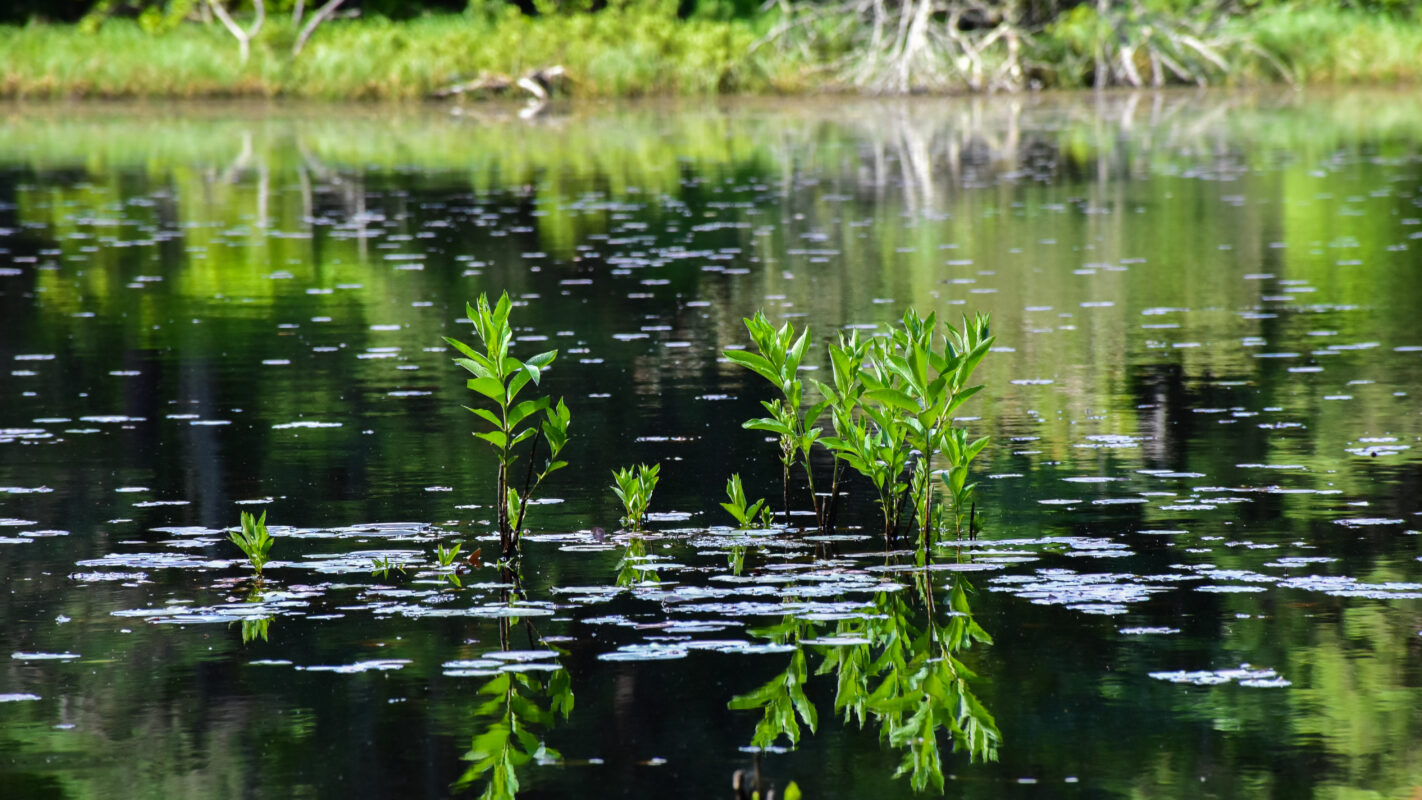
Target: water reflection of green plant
(500, 377)
(633, 568)
(255, 626)
(521, 707)
(896, 665)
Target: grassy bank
(628, 53)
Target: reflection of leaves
(255, 628)
(520, 708)
(782, 698)
(906, 678)
(627, 569)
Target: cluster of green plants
(890, 405)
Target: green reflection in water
(896, 665)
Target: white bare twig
(244, 37)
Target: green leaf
(755, 363)
(521, 411)
(893, 398)
(489, 387)
(495, 438)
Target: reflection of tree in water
(896, 665)
(520, 706)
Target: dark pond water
(1199, 564)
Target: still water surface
(1200, 561)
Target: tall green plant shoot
(499, 378)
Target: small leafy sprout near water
(499, 377)
(634, 488)
(778, 360)
(383, 565)
(747, 516)
(253, 540)
(446, 555)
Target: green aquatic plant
(634, 488)
(754, 515)
(890, 402)
(381, 566)
(916, 378)
(253, 540)
(778, 358)
(446, 555)
(500, 378)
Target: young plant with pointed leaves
(778, 358)
(754, 515)
(254, 541)
(499, 378)
(634, 488)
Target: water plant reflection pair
(890, 403)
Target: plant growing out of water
(917, 378)
(500, 378)
(381, 565)
(634, 488)
(778, 360)
(253, 540)
(755, 515)
(446, 555)
(891, 405)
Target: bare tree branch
(244, 38)
(316, 19)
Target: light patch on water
(1245, 675)
(23, 656)
(379, 664)
(1366, 522)
(1149, 631)
(304, 424)
(18, 697)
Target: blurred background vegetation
(409, 49)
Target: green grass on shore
(608, 54)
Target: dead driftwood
(539, 83)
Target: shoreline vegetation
(180, 49)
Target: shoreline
(620, 55)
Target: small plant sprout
(634, 488)
(446, 555)
(754, 515)
(778, 361)
(499, 378)
(254, 540)
(382, 566)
